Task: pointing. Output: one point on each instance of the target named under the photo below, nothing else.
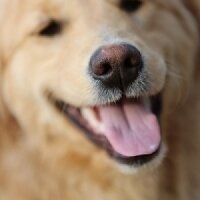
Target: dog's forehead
(56, 6)
(34, 11)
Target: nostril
(133, 58)
(102, 69)
(107, 68)
(131, 62)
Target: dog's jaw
(89, 120)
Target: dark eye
(51, 29)
(130, 5)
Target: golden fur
(44, 156)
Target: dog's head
(114, 68)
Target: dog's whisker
(175, 74)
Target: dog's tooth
(90, 116)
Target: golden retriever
(99, 99)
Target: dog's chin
(95, 126)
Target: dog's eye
(130, 5)
(51, 29)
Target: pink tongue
(131, 129)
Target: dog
(99, 100)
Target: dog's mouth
(128, 130)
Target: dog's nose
(116, 66)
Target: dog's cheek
(178, 49)
(156, 72)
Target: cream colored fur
(43, 156)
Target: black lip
(156, 103)
(136, 160)
(103, 143)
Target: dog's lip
(75, 115)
